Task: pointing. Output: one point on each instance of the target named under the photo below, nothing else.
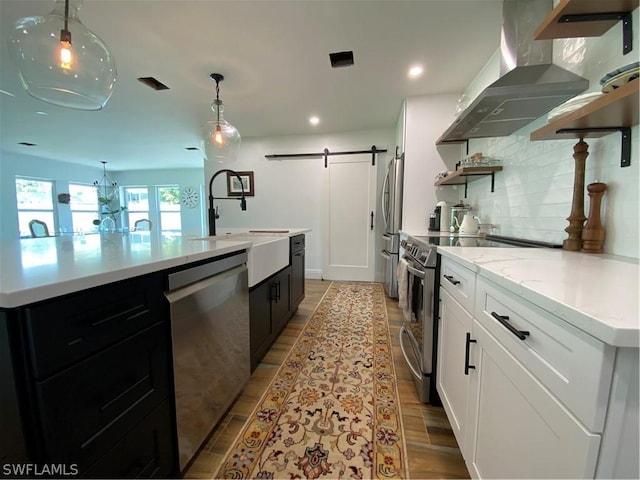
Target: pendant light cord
(66, 15)
(218, 102)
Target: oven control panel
(418, 252)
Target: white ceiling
(275, 59)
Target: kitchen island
(538, 361)
(86, 356)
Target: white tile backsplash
(533, 194)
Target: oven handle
(418, 273)
(406, 357)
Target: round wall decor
(190, 197)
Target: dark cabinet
(269, 311)
(92, 372)
(297, 270)
(274, 301)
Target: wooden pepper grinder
(593, 231)
(576, 218)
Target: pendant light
(60, 61)
(221, 140)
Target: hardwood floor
(432, 448)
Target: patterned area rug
(332, 410)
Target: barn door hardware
(326, 154)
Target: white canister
(445, 215)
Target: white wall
(426, 118)
(289, 193)
(533, 194)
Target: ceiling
(275, 59)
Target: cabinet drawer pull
(468, 367)
(452, 280)
(503, 319)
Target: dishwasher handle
(177, 295)
(187, 276)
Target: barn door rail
(326, 154)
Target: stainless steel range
(419, 332)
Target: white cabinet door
(517, 429)
(452, 381)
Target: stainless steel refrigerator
(392, 215)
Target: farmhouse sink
(267, 255)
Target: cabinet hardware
(468, 343)
(452, 280)
(503, 319)
(371, 219)
(275, 291)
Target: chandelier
(107, 193)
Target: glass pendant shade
(60, 61)
(221, 140)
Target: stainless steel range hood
(529, 84)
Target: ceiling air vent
(191, 148)
(341, 59)
(153, 83)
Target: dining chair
(38, 228)
(142, 225)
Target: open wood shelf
(464, 175)
(553, 28)
(616, 109)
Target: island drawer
(146, 451)
(297, 243)
(573, 365)
(89, 407)
(70, 328)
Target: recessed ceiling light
(314, 120)
(415, 71)
(42, 113)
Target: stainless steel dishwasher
(210, 334)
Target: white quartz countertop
(36, 269)
(596, 293)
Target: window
(137, 202)
(169, 206)
(84, 207)
(34, 201)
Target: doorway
(349, 218)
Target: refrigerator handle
(384, 210)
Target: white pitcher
(470, 225)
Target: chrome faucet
(213, 212)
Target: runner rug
(332, 410)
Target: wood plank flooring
(432, 448)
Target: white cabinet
(516, 428)
(529, 395)
(452, 383)
(454, 337)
